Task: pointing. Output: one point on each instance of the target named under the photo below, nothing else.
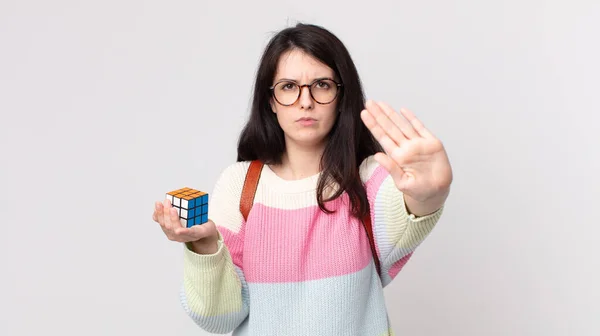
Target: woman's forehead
(297, 65)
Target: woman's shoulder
(236, 167)
(234, 173)
(229, 184)
(368, 167)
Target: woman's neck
(299, 162)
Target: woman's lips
(306, 121)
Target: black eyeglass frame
(309, 86)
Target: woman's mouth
(306, 121)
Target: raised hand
(414, 157)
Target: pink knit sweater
(294, 270)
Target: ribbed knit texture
(294, 270)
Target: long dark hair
(349, 141)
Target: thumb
(206, 231)
(390, 165)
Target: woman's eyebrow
(296, 81)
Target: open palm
(414, 157)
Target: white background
(106, 105)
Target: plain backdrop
(107, 105)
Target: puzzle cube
(191, 205)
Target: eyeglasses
(322, 90)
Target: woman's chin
(305, 139)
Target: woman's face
(305, 122)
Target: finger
(165, 210)
(195, 232)
(382, 137)
(391, 166)
(403, 124)
(183, 234)
(388, 126)
(416, 123)
(175, 220)
(171, 217)
(157, 214)
(371, 124)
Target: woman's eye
(323, 85)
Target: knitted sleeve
(397, 233)
(214, 291)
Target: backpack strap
(250, 185)
(247, 199)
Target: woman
(301, 263)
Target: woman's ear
(272, 103)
